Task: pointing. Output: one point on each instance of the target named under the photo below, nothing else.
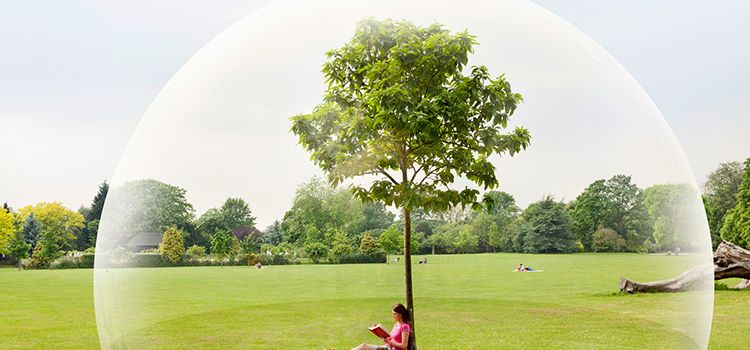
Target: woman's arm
(404, 340)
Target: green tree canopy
(7, 230)
(720, 194)
(149, 206)
(616, 203)
(736, 228)
(59, 226)
(671, 209)
(222, 244)
(236, 212)
(547, 228)
(399, 107)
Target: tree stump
(730, 261)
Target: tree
(235, 213)
(7, 230)
(149, 206)
(607, 240)
(720, 194)
(59, 226)
(466, 240)
(32, 230)
(274, 234)
(221, 244)
(670, 207)
(316, 251)
(390, 241)
(615, 203)
(398, 106)
(548, 229)
(18, 248)
(368, 245)
(736, 226)
(93, 215)
(172, 246)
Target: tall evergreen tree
(32, 231)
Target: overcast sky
(76, 77)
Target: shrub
(607, 240)
(196, 251)
(172, 245)
(362, 259)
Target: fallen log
(730, 261)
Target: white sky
(76, 77)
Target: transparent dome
(220, 128)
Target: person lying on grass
(399, 334)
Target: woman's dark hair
(401, 309)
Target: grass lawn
(462, 302)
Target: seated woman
(399, 338)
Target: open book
(379, 331)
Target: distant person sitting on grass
(258, 265)
(522, 268)
(399, 338)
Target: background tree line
(330, 224)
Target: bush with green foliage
(196, 251)
(607, 240)
(369, 246)
(172, 246)
(316, 251)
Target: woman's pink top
(398, 330)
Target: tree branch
(382, 171)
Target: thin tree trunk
(407, 275)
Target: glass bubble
(220, 128)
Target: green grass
(462, 302)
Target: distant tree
(18, 248)
(390, 240)
(97, 205)
(736, 228)
(316, 251)
(671, 208)
(375, 216)
(607, 240)
(484, 227)
(399, 106)
(249, 244)
(222, 244)
(548, 229)
(59, 226)
(720, 194)
(273, 234)
(236, 212)
(502, 204)
(32, 230)
(149, 206)
(615, 203)
(41, 258)
(93, 215)
(7, 230)
(323, 207)
(466, 240)
(172, 246)
(368, 245)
